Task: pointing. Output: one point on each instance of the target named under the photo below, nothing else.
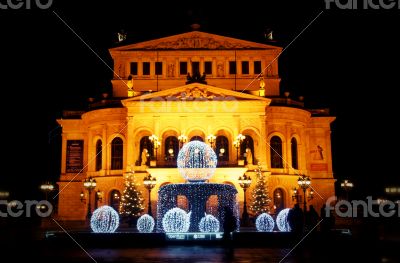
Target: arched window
(295, 163)
(117, 150)
(171, 150)
(279, 202)
(276, 152)
(247, 143)
(222, 150)
(145, 143)
(115, 198)
(196, 138)
(99, 155)
(171, 147)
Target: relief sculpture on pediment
(196, 42)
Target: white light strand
(176, 220)
(209, 224)
(281, 220)
(145, 224)
(196, 161)
(104, 220)
(197, 195)
(265, 223)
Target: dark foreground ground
(371, 241)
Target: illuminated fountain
(196, 163)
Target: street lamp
(244, 182)
(47, 188)
(347, 186)
(89, 184)
(182, 140)
(304, 182)
(149, 182)
(237, 143)
(156, 143)
(211, 139)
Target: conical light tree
(260, 201)
(131, 205)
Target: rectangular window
(195, 67)
(208, 67)
(74, 156)
(232, 67)
(245, 67)
(159, 68)
(146, 68)
(183, 68)
(257, 67)
(134, 68)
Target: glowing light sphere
(104, 220)
(197, 161)
(176, 220)
(209, 223)
(145, 224)
(282, 222)
(265, 223)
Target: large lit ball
(197, 161)
(145, 224)
(176, 220)
(209, 224)
(265, 223)
(104, 220)
(282, 222)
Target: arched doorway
(171, 150)
(279, 200)
(145, 143)
(247, 143)
(222, 150)
(115, 199)
(196, 138)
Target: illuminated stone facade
(109, 138)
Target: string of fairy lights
(196, 162)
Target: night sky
(346, 60)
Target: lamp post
(347, 186)
(237, 144)
(211, 139)
(182, 140)
(47, 188)
(156, 143)
(149, 182)
(304, 182)
(244, 182)
(89, 184)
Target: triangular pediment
(196, 92)
(195, 40)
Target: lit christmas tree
(131, 205)
(260, 201)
